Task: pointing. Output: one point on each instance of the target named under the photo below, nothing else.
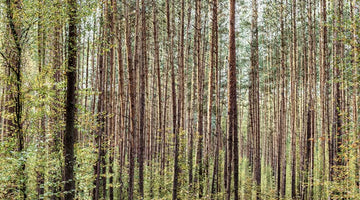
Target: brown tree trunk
(312, 104)
(282, 112)
(324, 90)
(215, 67)
(293, 103)
(177, 128)
(254, 100)
(181, 78)
(143, 72)
(112, 107)
(132, 95)
(160, 132)
(70, 130)
(213, 63)
(213, 75)
(14, 64)
(232, 110)
(199, 153)
(121, 108)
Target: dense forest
(179, 99)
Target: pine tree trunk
(199, 153)
(180, 113)
(282, 111)
(254, 100)
(142, 80)
(132, 95)
(213, 75)
(293, 103)
(232, 110)
(324, 90)
(70, 130)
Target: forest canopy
(179, 99)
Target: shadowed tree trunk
(213, 74)
(199, 159)
(70, 130)
(14, 64)
(143, 72)
(232, 148)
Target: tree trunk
(177, 128)
(254, 100)
(324, 90)
(232, 110)
(70, 130)
(142, 80)
(214, 64)
(213, 74)
(293, 99)
(15, 125)
(282, 112)
(199, 153)
(132, 95)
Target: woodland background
(179, 99)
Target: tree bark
(232, 110)
(70, 130)
(254, 100)
(293, 102)
(176, 127)
(142, 80)
(15, 124)
(213, 74)
(132, 95)
(199, 153)
(282, 112)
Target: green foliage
(8, 170)
(85, 159)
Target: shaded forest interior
(179, 99)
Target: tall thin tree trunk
(160, 131)
(232, 110)
(214, 67)
(282, 111)
(293, 99)
(177, 128)
(14, 65)
(213, 74)
(132, 95)
(197, 42)
(254, 100)
(324, 90)
(142, 80)
(70, 130)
